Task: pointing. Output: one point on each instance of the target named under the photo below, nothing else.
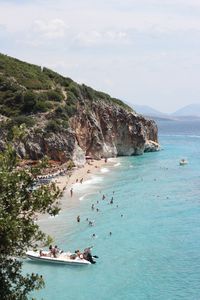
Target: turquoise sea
(154, 250)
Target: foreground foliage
(19, 206)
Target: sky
(143, 52)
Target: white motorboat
(183, 162)
(62, 258)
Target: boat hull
(62, 259)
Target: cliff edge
(65, 120)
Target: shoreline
(69, 184)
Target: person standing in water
(78, 219)
(71, 192)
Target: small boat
(183, 162)
(62, 258)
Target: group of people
(92, 222)
(53, 252)
(86, 254)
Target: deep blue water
(154, 250)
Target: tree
(29, 102)
(19, 206)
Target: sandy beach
(79, 175)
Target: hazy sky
(141, 51)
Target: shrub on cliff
(53, 126)
(64, 81)
(27, 120)
(40, 106)
(29, 102)
(54, 96)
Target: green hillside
(27, 89)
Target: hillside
(148, 111)
(189, 110)
(66, 120)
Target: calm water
(154, 250)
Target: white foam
(82, 197)
(85, 195)
(104, 170)
(117, 164)
(94, 180)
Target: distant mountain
(189, 110)
(150, 112)
(184, 113)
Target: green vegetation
(70, 165)
(93, 95)
(27, 89)
(19, 205)
(53, 126)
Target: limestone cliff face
(111, 131)
(66, 120)
(98, 129)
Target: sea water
(154, 249)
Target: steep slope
(65, 120)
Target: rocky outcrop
(98, 129)
(111, 131)
(66, 120)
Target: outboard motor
(88, 256)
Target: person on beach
(71, 192)
(81, 181)
(78, 219)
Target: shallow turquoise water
(154, 250)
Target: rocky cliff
(67, 121)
